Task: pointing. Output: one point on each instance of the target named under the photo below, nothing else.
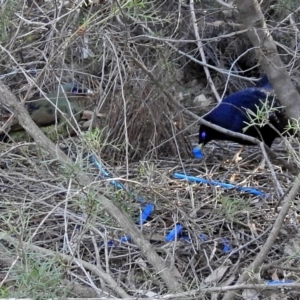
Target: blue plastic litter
(223, 185)
(197, 153)
(203, 237)
(125, 239)
(174, 233)
(226, 246)
(110, 243)
(147, 211)
(276, 282)
(106, 174)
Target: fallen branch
(85, 182)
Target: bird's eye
(203, 135)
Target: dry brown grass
(53, 229)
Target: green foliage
(284, 7)
(7, 11)
(142, 9)
(93, 138)
(293, 126)
(38, 278)
(260, 117)
(4, 292)
(232, 207)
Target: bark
(253, 19)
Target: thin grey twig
(201, 51)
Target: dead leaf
(216, 275)
(202, 100)
(275, 276)
(250, 295)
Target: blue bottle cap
(197, 152)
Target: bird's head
(75, 89)
(204, 137)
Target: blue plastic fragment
(125, 239)
(149, 207)
(106, 174)
(226, 246)
(197, 153)
(174, 233)
(203, 237)
(110, 243)
(276, 282)
(147, 211)
(223, 185)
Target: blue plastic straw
(106, 174)
(148, 209)
(174, 233)
(226, 246)
(278, 282)
(223, 185)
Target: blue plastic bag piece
(147, 211)
(203, 237)
(125, 239)
(174, 233)
(276, 282)
(219, 183)
(226, 246)
(197, 153)
(109, 244)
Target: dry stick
(261, 39)
(225, 4)
(92, 267)
(200, 48)
(70, 260)
(86, 182)
(258, 261)
(204, 122)
(277, 185)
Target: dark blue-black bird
(234, 111)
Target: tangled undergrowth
(141, 58)
(69, 236)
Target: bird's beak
(201, 147)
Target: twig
(70, 259)
(258, 261)
(225, 4)
(87, 183)
(201, 51)
(277, 185)
(201, 121)
(268, 56)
